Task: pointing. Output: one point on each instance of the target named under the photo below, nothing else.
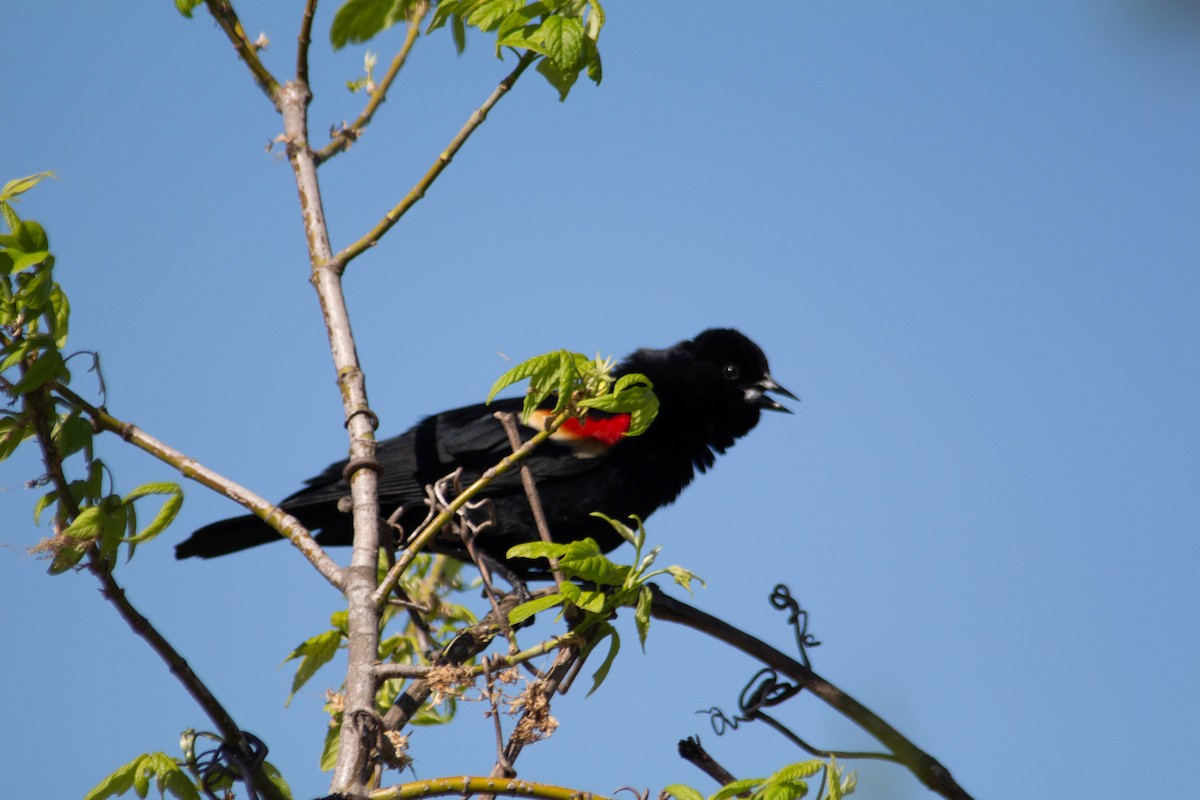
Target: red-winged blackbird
(710, 391)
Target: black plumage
(711, 390)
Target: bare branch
(304, 40)
(509, 421)
(393, 216)
(287, 525)
(693, 752)
(466, 785)
(222, 11)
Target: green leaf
(68, 555)
(442, 13)
(528, 609)
(783, 791)
(58, 316)
(48, 366)
(22, 261)
(72, 434)
(119, 782)
(87, 526)
(562, 42)
(737, 787)
(538, 368)
(314, 653)
(560, 80)
(185, 6)
(635, 537)
(329, 750)
(458, 31)
(516, 29)
(19, 186)
(358, 21)
(13, 431)
(641, 614)
(633, 394)
(276, 777)
(43, 503)
(141, 777)
(681, 792)
(602, 671)
(587, 599)
(166, 514)
(683, 577)
(16, 351)
(584, 560)
(488, 15)
(32, 237)
(536, 550)
(798, 771)
(10, 219)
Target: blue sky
(965, 234)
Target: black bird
(711, 390)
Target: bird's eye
(731, 372)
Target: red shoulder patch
(608, 430)
(589, 437)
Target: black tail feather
(226, 536)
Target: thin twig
(691, 751)
(287, 525)
(509, 421)
(344, 137)
(443, 160)
(304, 40)
(503, 767)
(222, 11)
(817, 751)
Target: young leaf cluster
(789, 783)
(597, 586)
(170, 777)
(563, 33)
(578, 383)
(34, 321)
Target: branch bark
(352, 773)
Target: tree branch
(288, 526)
(304, 40)
(467, 785)
(393, 216)
(222, 11)
(352, 772)
(924, 766)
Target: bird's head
(717, 382)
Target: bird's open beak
(756, 395)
